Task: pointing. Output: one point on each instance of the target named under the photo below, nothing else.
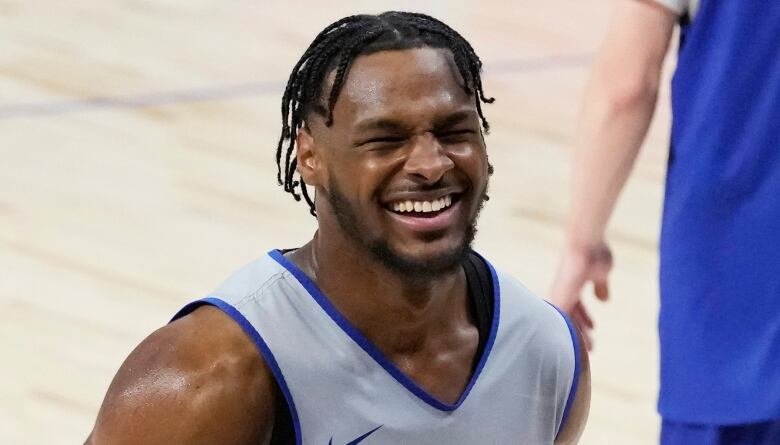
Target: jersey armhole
(576, 377)
(262, 347)
(480, 290)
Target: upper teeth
(423, 206)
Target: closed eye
(465, 131)
(382, 141)
(456, 135)
(386, 139)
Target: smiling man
(385, 328)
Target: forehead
(410, 84)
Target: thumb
(601, 289)
(601, 265)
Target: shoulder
(527, 307)
(253, 279)
(197, 380)
(529, 322)
(546, 338)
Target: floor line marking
(247, 90)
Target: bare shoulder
(198, 380)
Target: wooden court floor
(137, 171)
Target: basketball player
(385, 328)
(720, 262)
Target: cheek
(472, 160)
(360, 176)
(378, 168)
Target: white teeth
(423, 206)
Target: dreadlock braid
(335, 49)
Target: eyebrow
(381, 124)
(397, 126)
(454, 119)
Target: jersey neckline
(376, 354)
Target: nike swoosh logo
(359, 439)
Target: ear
(309, 156)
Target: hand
(576, 268)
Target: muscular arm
(618, 107)
(199, 380)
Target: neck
(396, 314)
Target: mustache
(441, 184)
(417, 188)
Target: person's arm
(618, 107)
(199, 380)
(578, 413)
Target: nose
(427, 159)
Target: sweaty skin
(198, 380)
(403, 128)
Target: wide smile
(425, 215)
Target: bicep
(175, 389)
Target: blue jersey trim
(576, 379)
(265, 351)
(376, 354)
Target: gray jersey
(342, 390)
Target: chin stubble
(380, 250)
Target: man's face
(405, 161)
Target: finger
(585, 333)
(584, 315)
(585, 325)
(588, 341)
(601, 289)
(584, 329)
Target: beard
(381, 251)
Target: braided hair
(335, 48)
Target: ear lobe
(308, 157)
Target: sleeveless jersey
(340, 389)
(720, 240)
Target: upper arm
(578, 413)
(198, 380)
(635, 46)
